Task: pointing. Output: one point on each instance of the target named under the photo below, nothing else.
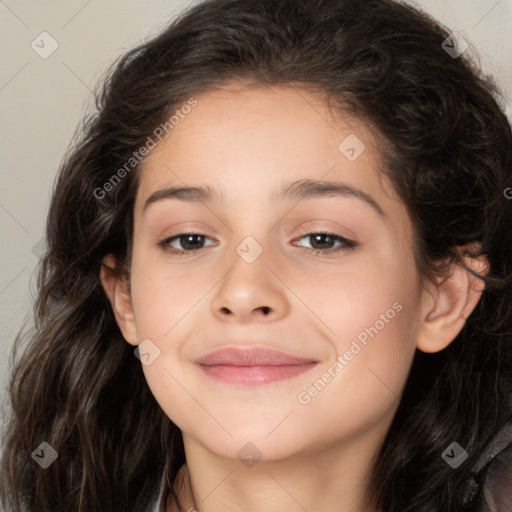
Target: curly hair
(447, 150)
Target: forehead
(249, 141)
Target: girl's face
(262, 172)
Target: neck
(333, 480)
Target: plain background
(42, 100)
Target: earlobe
(118, 292)
(449, 305)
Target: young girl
(278, 276)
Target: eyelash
(346, 243)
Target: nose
(250, 292)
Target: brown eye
(187, 242)
(325, 242)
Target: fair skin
(246, 142)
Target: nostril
(266, 310)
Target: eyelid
(320, 227)
(165, 243)
(346, 243)
(309, 230)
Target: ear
(117, 289)
(447, 306)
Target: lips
(252, 365)
(251, 357)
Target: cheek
(166, 301)
(164, 297)
(371, 320)
(360, 387)
(370, 301)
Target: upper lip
(250, 357)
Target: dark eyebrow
(301, 189)
(202, 194)
(305, 189)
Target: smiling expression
(254, 228)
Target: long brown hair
(75, 382)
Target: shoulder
(497, 489)
(496, 471)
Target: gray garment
(497, 489)
(498, 486)
(494, 472)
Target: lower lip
(254, 375)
